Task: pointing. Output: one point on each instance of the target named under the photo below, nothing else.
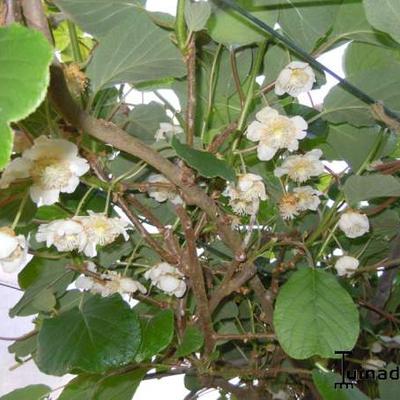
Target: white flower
(167, 131)
(307, 198)
(289, 206)
(346, 265)
(245, 196)
(101, 230)
(274, 131)
(280, 395)
(108, 283)
(376, 347)
(296, 78)
(13, 250)
(64, 234)
(373, 364)
(167, 278)
(54, 167)
(302, 168)
(354, 224)
(162, 194)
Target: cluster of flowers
(54, 167)
(164, 276)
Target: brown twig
(381, 207)
(264, 297)
(197, 279)
(378, 311)
(245, 337)
(220, 139)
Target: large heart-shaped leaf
(25, 57)
(144, 53)
(102, 333)
(98, 17)
(314, 315)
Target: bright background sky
(169, 388)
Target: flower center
(51, 173)
(299, 77)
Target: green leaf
(314, 315)
(384, 15)
(342, 106)
(108, 255)
(145, 119)
(23, 348)
(40, 278)
(389, 388)
(103, 333)
(228, 27)
(100, 17)
(157, 334)
(197, 14)
(6, 143)
(366, 57)
(358, 188)
(343, 139)
(351, 23)
(325, 383)
(31, 392)
(192, 341)
(119, 387)
(98, 387)
(25, 57)
(45, 301)
(81, 387)
(306, 23)
(144, 53)
(205, 163)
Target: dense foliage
(215, 239)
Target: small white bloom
(303, 167)
(296, 78)
(346, 265)
(280, 395)
(101, 230)
(354, 224)
(162, 194)
(167, 131)
(13, 251)
(108, 283)
(167, 278)
(245, 196)
(54, 167)
(373, 364)
(274, 131)
(376, 347)
(307, 197)
(65, 235)
(289, 206)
